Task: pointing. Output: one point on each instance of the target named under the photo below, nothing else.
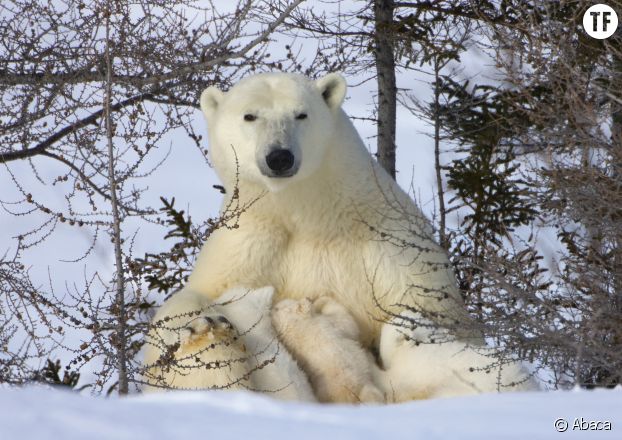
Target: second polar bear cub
(422, 360)
(323, 337)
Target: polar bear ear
(210, 98)
(262, 298)
(333, 89)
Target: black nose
(280, 160)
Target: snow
(42, 413)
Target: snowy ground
(39, 414)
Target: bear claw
(207, 330)
(225, 322)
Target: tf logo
(600, 21)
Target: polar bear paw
(209, 332)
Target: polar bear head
(289, 314)
(272, 128)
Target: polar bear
(422, 361)
(210, 356)
(233, 346)
(317, 215)
(205, 352)
(324, 338)
(273, 370)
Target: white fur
(324, 338)
(208, 354)
(257, 360)
(274, 370)
(426, 362)
(318, 232)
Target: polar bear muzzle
(279, 162)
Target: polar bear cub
(233, 345)
(424, 361)
(323, 336)
(199, 349)
(273, 370)
(210, 355)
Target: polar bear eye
(301, 116)
(250, 118)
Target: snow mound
(41, 413)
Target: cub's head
(289, 313)
(273, 128)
